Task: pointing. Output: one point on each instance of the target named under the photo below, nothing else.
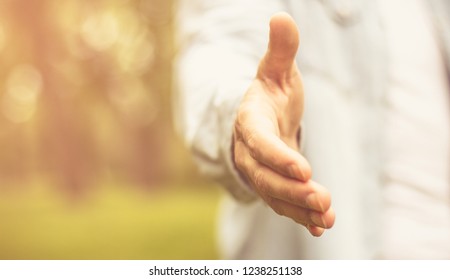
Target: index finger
(267, 148)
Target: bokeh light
(90, 166)
(100, 30)
(23, 87)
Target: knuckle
(242, 116)
(244, 129)
(237, 128)
(291, 195)
(252, 144)
(259, 179)
(241, 120)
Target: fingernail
(293, 171)
(318, 219)
(313, 201)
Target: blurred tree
(85, 92)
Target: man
(362, 108)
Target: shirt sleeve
(219, 44)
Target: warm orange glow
(87, 81)
(86, 130)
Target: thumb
(278, 62)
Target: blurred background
(90, 165)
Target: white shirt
(417, 136)
(342, 60)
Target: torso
(416, 190)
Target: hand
(266, 132)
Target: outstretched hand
(266, 135)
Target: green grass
(111, 223)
